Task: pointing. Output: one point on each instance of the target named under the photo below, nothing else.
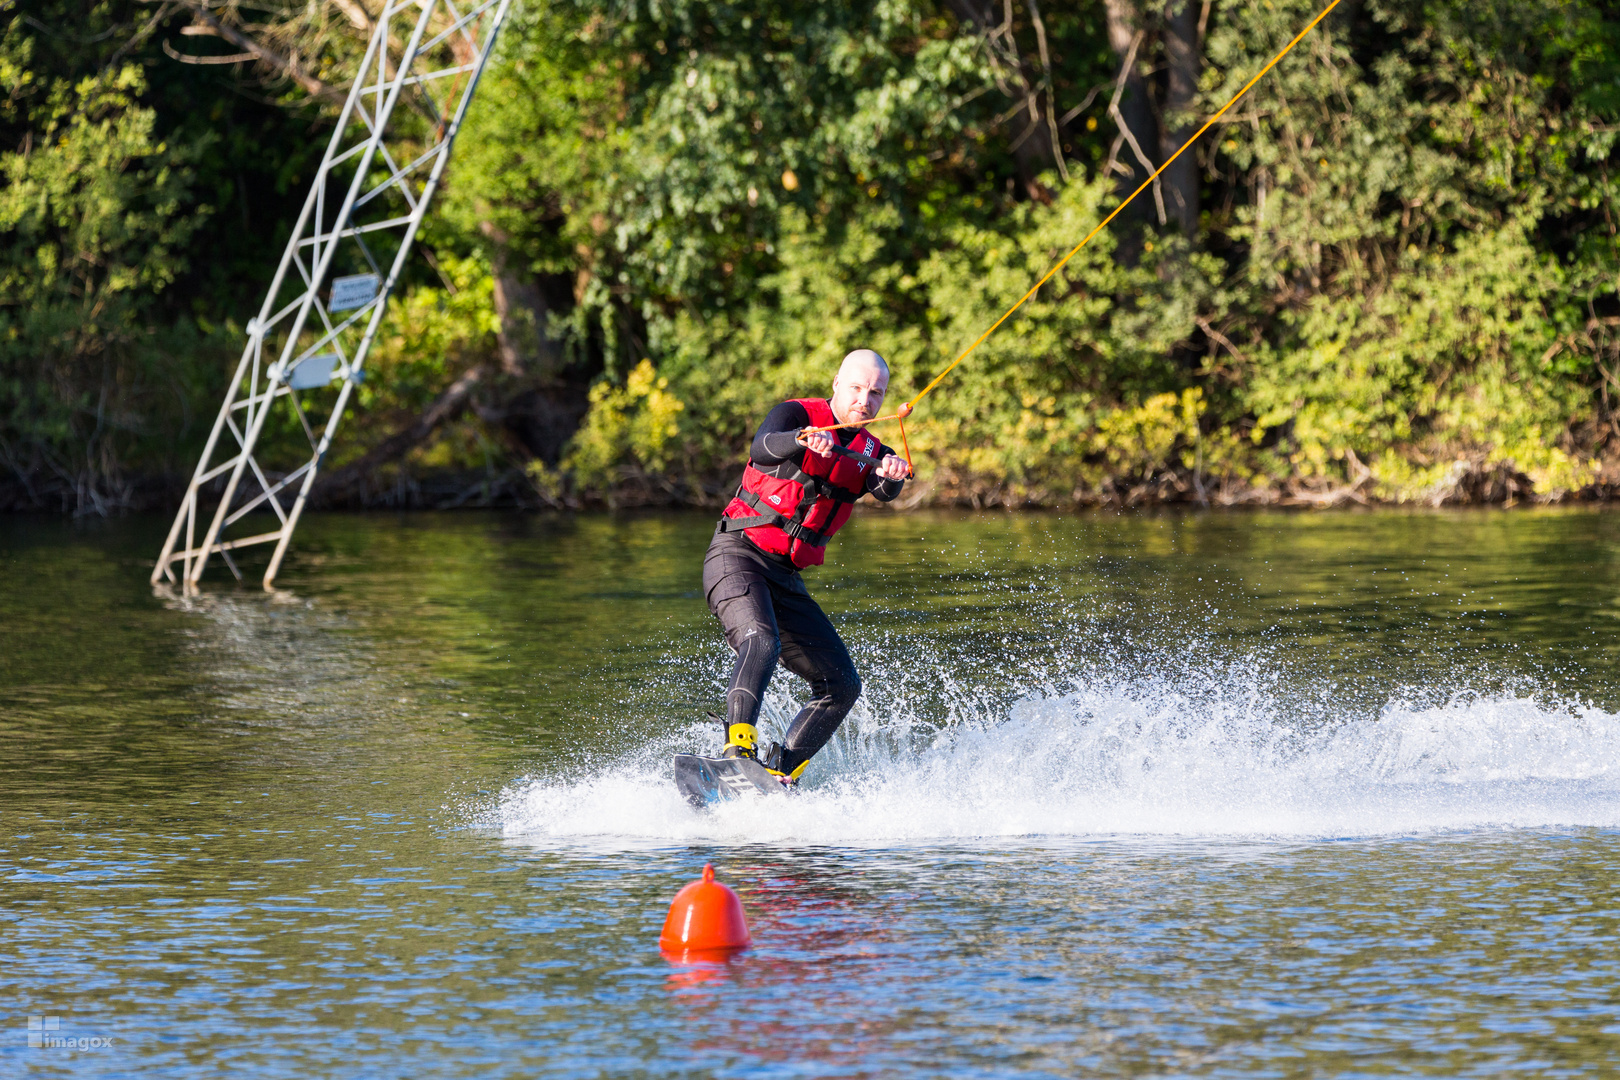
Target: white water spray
(1186, 756)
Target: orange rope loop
(905, 444)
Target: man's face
(858, 391)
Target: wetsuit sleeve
(884, 490)
(774, 442)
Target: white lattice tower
(333, 269)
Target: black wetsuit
(768, 615)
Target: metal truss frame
(394, 177)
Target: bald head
(863, 359)
(859, 387)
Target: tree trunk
(540, 403)
(1136, 116)
(1181, 47)
(521, 307)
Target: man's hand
(819, 442)
(893, 467)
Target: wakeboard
(705, 781)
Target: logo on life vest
(777, 499)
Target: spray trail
(1211, 753)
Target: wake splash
(1148, 759)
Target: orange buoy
(904, 410)
(705, 922)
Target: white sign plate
(313, 371)
(353, 291)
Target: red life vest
(794, 509)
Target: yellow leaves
(1554, 472)
(655, 425)
(1138, 440)
(547, 481)
(790, 180)
(637, 422)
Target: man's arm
(775, 440)
(883, 490)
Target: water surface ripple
(1177, 794)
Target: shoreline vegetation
(1392, 277)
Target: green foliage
(129, 188)
(429, 336)
(95, 217)
(1405, 269)
(1417, 229)
(631, 427)
(1411, 212)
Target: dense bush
(1401, 283)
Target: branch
(448, 405)
(1001, 49)
(1029, 128)
(1219, 338)
(207, 24)
(1084, 105)
(187, 58)
(139, 36)
(1051, 96)
(360, 18)
(1114, 165)
(1125, 129)
(1124, 72)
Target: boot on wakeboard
(704, 781)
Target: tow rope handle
(844, 451)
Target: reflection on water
(1273, 794)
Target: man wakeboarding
(797, 490)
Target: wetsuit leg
(740, 597)
(812, 649)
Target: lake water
(1260, 794)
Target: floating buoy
(705, 922)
